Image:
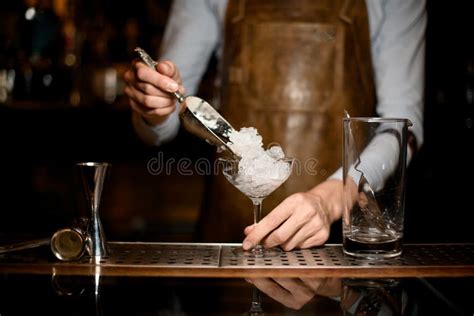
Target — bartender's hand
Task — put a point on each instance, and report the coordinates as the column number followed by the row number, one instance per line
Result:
column 302, row 220
column 297, row 292
column 149, row 90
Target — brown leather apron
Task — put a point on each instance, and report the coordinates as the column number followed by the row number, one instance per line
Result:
column 290, row 69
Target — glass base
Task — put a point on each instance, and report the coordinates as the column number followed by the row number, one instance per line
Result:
column 256, row 252
column 378, row 251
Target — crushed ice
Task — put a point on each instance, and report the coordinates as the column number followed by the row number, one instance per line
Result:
column 260, row 171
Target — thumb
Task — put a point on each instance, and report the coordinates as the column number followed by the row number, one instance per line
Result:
column 166, row 68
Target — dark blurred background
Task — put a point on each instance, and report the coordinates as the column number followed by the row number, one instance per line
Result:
column 61, row 102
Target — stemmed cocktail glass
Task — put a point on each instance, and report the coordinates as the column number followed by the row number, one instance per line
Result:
column 257, row 188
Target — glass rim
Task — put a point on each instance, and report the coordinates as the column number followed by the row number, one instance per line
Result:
column 238, row 159
column 369, row 119
column 92, row 164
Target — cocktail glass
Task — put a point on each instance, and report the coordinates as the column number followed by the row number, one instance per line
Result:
column 257, row 188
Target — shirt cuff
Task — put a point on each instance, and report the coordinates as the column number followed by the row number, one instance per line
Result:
column 337, row 175
column 159, row 134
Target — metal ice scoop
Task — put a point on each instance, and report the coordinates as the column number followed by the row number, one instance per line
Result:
column 198, row 116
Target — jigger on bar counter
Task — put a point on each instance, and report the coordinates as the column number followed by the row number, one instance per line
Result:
column 70, row 244
column 93, row 175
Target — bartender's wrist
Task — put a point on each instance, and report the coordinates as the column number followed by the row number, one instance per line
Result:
column 154, row 120
column 330, row 194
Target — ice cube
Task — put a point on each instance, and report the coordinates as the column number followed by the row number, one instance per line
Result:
column 275, row 152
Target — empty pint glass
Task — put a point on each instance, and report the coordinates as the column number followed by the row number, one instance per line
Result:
column 374, row 168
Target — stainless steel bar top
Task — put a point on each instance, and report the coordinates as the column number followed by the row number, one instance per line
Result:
column 218, row 260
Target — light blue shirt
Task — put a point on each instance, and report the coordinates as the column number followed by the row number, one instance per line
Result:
column 397, row 28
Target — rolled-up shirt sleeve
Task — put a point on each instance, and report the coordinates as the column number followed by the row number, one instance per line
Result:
column 192, row 33
column 398, row 53
column 397, row 31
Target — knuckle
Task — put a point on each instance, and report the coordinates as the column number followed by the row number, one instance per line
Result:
column 147, row 89
column 298, row 307
column 141, row 73
column 292, row 305
column 305, row 298
column 317, row 201
column 159, row 112
column 171, row 67
column 325, row 234
column 273, row 221
column 148, row 101
column 154, row 112
column 299, row 198
column 288, row 247
column 322, row 236
column 278, row 237
column 308, row 213
column 301, row 301
column 126, row 90
column 309, row 244
column 126, row 76
column 162, row 82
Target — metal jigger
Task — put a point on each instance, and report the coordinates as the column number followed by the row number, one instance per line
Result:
column 93, row 175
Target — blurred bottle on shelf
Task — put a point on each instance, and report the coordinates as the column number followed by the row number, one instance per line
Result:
column 41, row 74
column 7, row 80
column 8, row 48
column 469, row 94
column 70, row 52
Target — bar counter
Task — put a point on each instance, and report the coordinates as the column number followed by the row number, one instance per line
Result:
column 208, row 279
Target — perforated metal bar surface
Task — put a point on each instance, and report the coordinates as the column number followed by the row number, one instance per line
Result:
column 219, row 260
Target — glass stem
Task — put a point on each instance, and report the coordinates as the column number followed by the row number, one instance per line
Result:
column 257, row 211
column 256, row 307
